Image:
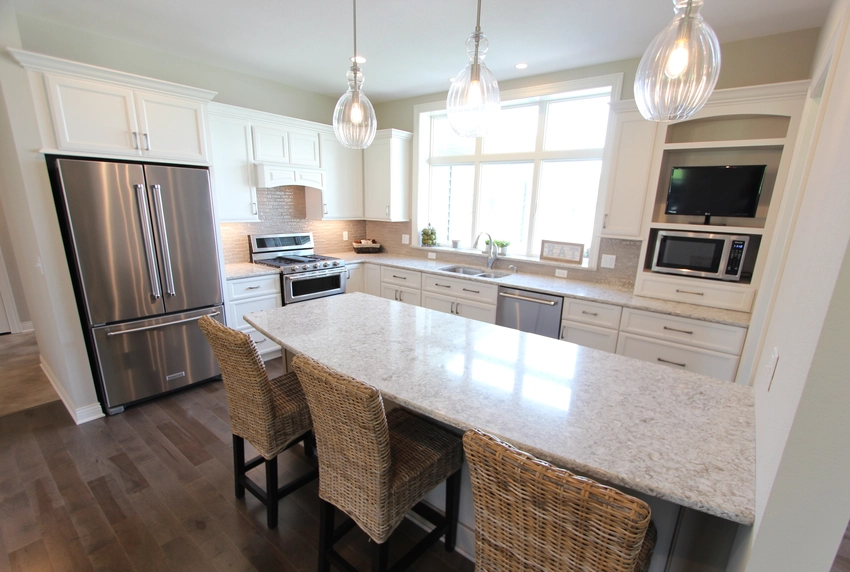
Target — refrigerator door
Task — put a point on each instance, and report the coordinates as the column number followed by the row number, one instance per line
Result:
column 108, row 214
column 181, row 203
column 147, row 357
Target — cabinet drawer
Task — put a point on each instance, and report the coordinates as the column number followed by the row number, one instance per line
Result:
column 253, row 287
column 594, row 313
column 717, row 337
column 694, row 291
column 721, row 366
column 264, row 344
column 408, row 278
column 469, row 289
column 589, row 336
column 249, row 305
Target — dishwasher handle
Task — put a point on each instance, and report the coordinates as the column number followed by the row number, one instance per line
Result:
column 527, row 298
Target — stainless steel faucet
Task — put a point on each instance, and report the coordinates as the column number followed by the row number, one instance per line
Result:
column 491, row 257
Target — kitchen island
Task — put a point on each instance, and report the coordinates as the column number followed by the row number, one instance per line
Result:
column 673, row 435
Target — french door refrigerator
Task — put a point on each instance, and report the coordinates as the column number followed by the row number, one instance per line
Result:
column 141, row 243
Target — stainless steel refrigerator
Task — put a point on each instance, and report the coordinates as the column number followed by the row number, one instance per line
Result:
column 141, row 243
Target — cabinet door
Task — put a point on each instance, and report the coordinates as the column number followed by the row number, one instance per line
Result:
column 354, row 281
column 92, row 116
column 304, row 148
column 271, row 143
column 401, row 294
column 343, row 191
column 376, row 172
column 476, row 311
column 171, row 127
column 589, row 336
column 236, row 197
column 372, row 280
column 632, row 158
column 445, row 304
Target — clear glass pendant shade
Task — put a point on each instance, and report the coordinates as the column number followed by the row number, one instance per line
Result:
column 680, row 67
column 473, row 100
column 354, row 117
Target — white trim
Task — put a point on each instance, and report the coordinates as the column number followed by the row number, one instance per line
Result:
column 8, row 299
column 27, row 327
column 266, row 117
column 41, row 63
column 79, row 414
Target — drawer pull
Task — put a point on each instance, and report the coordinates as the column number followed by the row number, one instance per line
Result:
column 680, row 331
column 441, row 285
column 689, row 292
column 473, row 291
column 563, row 329
column 402, row 277
column 261, row 340
column 670, row 362
column 252, row 287
column 589, row 313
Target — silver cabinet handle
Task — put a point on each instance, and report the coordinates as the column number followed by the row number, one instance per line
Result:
column 150, row 253
column 527, row 299
column 395, row 295
column 147, row 142
column 563, row 329
column 400, row 296
column 680, row 331
column 441, row 285
column 348, row 274
column 473, row 291
column 254, row 207
column 163, row 238
column 452, row 310
column 589, row 313
column 670, row 362
column 689, row 292
column 261, row 340
column 157, row 326
column 605, row 221
column 401, row 277
column 252, row 287
column 388, row 210
column 135, row 139
column 457, row 308
column 325, row 205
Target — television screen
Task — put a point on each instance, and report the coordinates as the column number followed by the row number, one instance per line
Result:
column 725, row 190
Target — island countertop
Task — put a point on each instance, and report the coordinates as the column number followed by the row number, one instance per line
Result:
column 678, row 436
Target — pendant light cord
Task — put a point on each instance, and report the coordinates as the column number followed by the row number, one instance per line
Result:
column 355, row 31
column 475, row 71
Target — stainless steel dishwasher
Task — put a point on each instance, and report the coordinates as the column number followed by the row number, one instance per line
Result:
column 529, row 311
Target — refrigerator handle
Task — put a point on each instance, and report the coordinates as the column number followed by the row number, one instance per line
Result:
column 144, row 215
column 158, row 326
column 163, row 237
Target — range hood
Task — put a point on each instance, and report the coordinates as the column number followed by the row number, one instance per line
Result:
column 313, row 181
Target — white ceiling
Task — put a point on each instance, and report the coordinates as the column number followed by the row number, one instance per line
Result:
column 412, row 48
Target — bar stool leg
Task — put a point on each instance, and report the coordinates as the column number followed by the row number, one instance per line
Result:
column 239, row 464
column 380, row 556
column 326, row 533
column 452, row 509
column 271, row 492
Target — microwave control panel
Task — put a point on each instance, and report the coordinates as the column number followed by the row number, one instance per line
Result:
column 736, row 257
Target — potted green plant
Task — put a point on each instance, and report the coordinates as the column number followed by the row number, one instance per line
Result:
column 503, row 246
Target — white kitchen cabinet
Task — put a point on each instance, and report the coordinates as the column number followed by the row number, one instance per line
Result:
column 401, row 285
column 595, row 337
column 593, row 313
column 695, row 291
column 106, row 118
column 372, row 279
column 467, row 298
column 696, row 360
column 386, row 173
column 230, row 148
column 246, row 295
column 273, row 175
column 354, row 281
column 459, row 307
column 342, row 194
column 404, row 294
column 631, row 161
column 280, row 143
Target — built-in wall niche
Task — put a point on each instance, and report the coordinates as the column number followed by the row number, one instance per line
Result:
column 729, row 128
column 751, row 155
column 750, row 257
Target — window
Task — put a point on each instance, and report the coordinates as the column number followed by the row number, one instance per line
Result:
column 536, row 177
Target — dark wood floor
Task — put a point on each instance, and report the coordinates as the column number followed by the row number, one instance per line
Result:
column 151, row 489
column 842, row 558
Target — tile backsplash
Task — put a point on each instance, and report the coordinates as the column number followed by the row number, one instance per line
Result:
column 282, row 209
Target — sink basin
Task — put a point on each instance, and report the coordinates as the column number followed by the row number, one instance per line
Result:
column 462, row 270
column 493, row 274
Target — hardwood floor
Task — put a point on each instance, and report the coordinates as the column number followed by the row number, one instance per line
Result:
column 151, row 489
column 842, row 558
column 23, row 383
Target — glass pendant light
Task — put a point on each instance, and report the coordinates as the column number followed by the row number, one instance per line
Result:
column 354, row 117
column 473, row 100
column 680, row 67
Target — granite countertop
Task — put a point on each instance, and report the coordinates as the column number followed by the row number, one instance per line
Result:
column 679, row 436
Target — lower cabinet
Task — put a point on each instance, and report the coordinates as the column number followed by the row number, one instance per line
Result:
column 401, row 294
column 467, row 298
column 460, row 307
column 372, row 279
column 590, row 324
column 589, row 336
column 246, row 295
column 354, row 280
column 401, row 285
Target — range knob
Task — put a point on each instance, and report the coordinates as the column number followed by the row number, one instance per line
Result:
column 325, row 265
column 335, row 263
column 315, row 266
column 296, row 268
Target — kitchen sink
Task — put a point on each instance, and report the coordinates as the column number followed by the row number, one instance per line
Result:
column 475, row 272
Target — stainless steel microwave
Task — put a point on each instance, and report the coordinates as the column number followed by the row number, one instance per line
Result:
column 700, row 254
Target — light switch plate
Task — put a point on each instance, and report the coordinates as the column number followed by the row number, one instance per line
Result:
column 432, row 255
column 561, row 273
column 345, row 235
column 405, row 239
column 608, row 261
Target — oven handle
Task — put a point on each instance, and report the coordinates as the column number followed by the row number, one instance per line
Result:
column 316, row 274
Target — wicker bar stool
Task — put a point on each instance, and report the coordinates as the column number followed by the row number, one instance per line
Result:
column 376, row 466
column 272, row 415
column 530, row 515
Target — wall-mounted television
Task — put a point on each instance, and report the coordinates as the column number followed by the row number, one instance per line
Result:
column 717, row 190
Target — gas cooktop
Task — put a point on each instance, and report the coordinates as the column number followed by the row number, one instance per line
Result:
column 290, row 252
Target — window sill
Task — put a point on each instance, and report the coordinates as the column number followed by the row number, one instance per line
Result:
column 510, row 256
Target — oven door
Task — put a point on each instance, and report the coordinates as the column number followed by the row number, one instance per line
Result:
column 691, row 254
column 316, row 284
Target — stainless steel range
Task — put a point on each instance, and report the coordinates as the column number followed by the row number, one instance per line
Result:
column 304, row 275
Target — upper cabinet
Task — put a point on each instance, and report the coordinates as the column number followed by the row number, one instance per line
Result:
column 277, row 143
column 94, row 111
column 231, row 173
column 387, row 176
column 342, row 197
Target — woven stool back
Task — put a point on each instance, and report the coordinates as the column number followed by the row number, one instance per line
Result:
column 246, row 384
column 530, row 515
column 353, row 443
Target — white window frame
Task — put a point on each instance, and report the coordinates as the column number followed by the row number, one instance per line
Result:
column 421, row 172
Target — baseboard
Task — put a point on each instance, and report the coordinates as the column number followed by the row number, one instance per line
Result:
column 26, row 327
column 465, row 543
column 79, row 414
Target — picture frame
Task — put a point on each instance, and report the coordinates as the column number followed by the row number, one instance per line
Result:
column 571, row 252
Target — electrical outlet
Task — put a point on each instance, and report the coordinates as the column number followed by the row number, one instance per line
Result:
column 770, row 368
column 608, row 261
column 561, row 273
column 345, row 235
column 405, row 239
column 432, row 255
